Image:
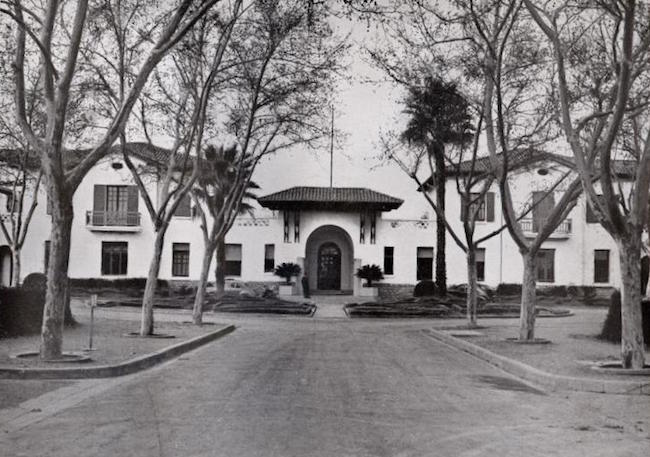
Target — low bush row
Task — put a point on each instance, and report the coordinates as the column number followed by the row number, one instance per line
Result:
column 21, row 311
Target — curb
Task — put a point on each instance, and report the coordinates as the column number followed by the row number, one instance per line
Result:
column 120, row 369
column 549, row 381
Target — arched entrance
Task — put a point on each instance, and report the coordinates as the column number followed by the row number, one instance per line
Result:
column 329, row 267
column 329, row 260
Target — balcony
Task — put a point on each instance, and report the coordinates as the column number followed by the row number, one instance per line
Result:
column 113, row 221
column 563, row 231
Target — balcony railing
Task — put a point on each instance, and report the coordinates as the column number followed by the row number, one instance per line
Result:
column 561, row 231
column 113, row 220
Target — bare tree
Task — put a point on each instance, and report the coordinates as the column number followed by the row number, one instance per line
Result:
column 598, row 52
column 48, row 38
column 276, row 98
column 492, row 47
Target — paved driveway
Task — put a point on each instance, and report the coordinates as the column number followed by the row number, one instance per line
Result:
column 301, row 387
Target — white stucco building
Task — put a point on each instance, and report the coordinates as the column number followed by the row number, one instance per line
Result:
column 330, row 232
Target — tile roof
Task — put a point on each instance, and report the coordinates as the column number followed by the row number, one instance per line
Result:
column 329, row 197
column 151, row 154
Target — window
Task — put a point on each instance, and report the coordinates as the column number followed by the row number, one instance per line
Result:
column 601, row 265
column 389, row 252
column 269, row 258
column 233, row 260
column 545, row 265
column 591, row 216
column 543, row 204
column 46, row 256
column 424, row 263
column 485, row 211
column 114, row 257
column 184, row 208
column 115, row 205
column 180, row 259
column 480, row 264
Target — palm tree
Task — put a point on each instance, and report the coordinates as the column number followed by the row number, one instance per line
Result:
column 223, row 188
column 438, row 116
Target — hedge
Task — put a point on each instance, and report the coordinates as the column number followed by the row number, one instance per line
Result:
column 21, row 311
column 121, row 283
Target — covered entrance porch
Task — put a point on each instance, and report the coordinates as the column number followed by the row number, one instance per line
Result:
column 329, row 261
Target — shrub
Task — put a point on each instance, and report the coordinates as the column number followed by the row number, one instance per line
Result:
column 21, row 311
column 287, row 270
column 612, row 326
column 505, row 289
column 370, row 273
column 425, row 288
column 35, row 282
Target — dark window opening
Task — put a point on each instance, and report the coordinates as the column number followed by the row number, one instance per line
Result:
column 389, row 252
column 269, row 258
column 114, row 257
column 424, row 263
column 601, row 265
column 480, row 264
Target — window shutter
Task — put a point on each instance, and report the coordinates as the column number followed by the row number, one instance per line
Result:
column 99, row 198
column 184, row 208
column 132, row 199
column 489, row 200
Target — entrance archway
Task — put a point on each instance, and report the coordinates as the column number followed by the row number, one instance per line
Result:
column 329, row 260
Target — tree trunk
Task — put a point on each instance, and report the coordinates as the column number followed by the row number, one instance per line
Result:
column 632, row 347
column 472, row 286
column 56, row 296
column 220, row 269
column 528, row 298
column 197, row 312
column 441, row 234
column 146, row 323
column 15, row 282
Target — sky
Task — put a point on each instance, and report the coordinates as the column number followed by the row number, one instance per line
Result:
column 365, row 109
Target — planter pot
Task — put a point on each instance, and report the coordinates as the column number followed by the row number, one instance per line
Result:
column 366, row 291
column 286, row 290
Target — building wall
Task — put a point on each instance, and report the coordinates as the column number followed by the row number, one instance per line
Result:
column 574, row 253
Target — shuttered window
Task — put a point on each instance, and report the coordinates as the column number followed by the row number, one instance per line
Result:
column 591, row 216
column 485, row 211
column 184, row 208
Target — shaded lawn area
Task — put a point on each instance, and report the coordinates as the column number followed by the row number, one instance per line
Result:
column 109, row 339
column 447, row 307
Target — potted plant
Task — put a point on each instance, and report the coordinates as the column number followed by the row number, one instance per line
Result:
column 287, row 270
column 370, row 273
